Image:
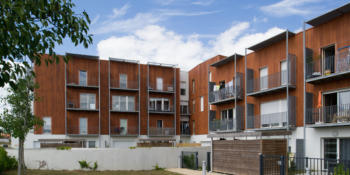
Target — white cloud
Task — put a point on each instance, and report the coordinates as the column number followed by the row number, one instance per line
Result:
column 167, row 12
column 157, row 44
column 119, row 12
column 164, row 2
column 203, row 2
column 257, row 19
column 289, row 7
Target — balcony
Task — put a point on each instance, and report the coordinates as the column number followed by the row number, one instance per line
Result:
column 161, row 111
column 272, row 83
column 328, row 116
column 166, row 88
column 161, row 131
column 328, row 68
column 185, row 128
column 129, row 86
column 232, row 124
column 134, row 109
column 72, row 106
column 227, row 93
column 92, row 83
column 77, row 131
column 270, row 121
column 184, row 110
column 122, row 131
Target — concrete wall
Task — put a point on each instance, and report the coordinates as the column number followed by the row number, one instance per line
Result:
column 108, row 159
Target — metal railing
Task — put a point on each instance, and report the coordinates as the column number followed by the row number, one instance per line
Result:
column 128, row 85
column 185, row 131
column 161, row 131
column 222, row 125
column 74, row 105
column 122, row 131
column 164, row 88
column 132, row 108
column 184, row 110
column 274, row 80
column 161, row 110
column 76, row 130
column 328, row 65
column 273, row 120
column 225, row 93
column 74, row 81
column 328, row 114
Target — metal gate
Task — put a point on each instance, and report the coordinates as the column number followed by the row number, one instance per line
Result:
column 272, row 165
column 189, row 160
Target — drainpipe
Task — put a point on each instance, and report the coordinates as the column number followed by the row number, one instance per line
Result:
column 235, row 120
column 304, row 101
column 287, row 92
column 147, row 102
column 208, row 100
column 245, row 89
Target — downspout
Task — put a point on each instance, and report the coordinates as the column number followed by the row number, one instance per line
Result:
column 65, row 97
column 147, row 102
column 109, row 101
column 174, row 101
column 245, row 90
column 287, row 91
column 208, row 99
column 139, row 80
column 234, row 121
column 99, row 102
column 304, row 101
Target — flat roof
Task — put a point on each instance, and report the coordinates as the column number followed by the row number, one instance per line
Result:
column 279, row 37
column 249, row 134
column 226, row 60
column 83, row 56
column 124, row 60
column 329, row 15
column 161, row 64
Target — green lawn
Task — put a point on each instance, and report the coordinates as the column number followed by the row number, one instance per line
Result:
column 44, row 172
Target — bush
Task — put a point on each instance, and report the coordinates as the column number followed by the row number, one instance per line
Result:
column 6, row 162
column 158, row 168
column 86, row 165
column 189, row 161
column 64, row 148
column 340, row 170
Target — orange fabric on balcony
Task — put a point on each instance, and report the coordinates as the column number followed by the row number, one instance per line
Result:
column 319, row 101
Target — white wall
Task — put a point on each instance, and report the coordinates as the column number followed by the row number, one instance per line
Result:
column 108, row 159
column 184, row 78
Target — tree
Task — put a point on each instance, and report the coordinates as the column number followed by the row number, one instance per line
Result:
column 30, row 28
column 18, row 118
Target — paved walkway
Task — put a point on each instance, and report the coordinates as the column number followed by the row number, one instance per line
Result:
column 189, row 172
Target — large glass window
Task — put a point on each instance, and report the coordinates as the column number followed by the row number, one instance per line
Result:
column 330, row 152
column 273, row 113
column 83, row 126
column 82, row 77
column 159, row 104
column 202, row 103
column 263, row 78
column 47, row 125
column 123, row 80
column 160, row 84
column 123, row 126
column 123, row 103
column 159, row 123
column 88, row 101
column 283, row 72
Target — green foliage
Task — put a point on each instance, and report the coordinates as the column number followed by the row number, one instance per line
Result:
column 158, row 168
column 86, row 165
column 31, row 28
column 189, row 161
column 340, row 170
column 64, row 148
column 18, row 119
column 6, row 162
column 132, row 147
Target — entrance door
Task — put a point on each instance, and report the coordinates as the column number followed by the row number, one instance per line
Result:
column 83, row 126
column 123, row 126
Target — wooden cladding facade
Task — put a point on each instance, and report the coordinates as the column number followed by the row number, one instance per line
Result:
column 59, row 94
column 242, row 156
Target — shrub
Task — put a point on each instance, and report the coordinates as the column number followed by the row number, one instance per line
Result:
column 157, row 168
column 340, row 170
column 189, row 161
column 132, row 147
column 6, row 162
column 86, row 165
column 63, row 148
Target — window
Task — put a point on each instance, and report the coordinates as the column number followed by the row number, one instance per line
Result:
column 83, row 126
column 183, row 91
column 82, row 78
column 273, row 109
column 123, row 103
column 228, row 115
column 159, row 123
column 202, row 103
column 88, row 101
column 123, row 126
column 47, row 125
column 263, row 78
column 123, row 81
column 284, row 72
column 193, row 106
column 336, row 107
column 333, row 149
column 209, row 76
column 193, row 86
column 183, row 109
column 160, row 84
column 92, row 144
column 194, row 127
column 159, row 104
column 328, row 59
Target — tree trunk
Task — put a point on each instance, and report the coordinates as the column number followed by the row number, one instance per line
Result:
column 21, row 165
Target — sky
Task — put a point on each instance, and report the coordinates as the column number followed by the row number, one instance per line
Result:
column 187, row 32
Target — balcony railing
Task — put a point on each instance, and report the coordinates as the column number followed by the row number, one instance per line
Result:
column 329, row 115
column 76, row 130
column 185, row 131
column 122, row 131
column 165, row 88
column 155, row 110
column 184, row 111
column 74, row 82
column 161, row 131
column 270, row 121
column 129, row 85
column 71, row 105
column 222, row 125
column 135, row 108
column 328, row 66
column 225, row 93
column 274, row 81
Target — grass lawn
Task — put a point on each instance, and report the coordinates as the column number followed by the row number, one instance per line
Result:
column 44, row 172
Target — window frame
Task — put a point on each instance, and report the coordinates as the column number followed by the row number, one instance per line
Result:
column 86, row 78
column 47, row 130
column 120, row 81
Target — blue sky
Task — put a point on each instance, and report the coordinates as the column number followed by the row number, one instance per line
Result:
column 186, row 32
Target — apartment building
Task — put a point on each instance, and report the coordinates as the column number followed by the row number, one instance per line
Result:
column 109, row 103
column 292, row 85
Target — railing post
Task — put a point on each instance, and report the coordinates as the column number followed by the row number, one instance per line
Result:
column 282, row 166
column 261, row 164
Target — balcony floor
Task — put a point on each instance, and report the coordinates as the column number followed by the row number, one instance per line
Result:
column 270, row 129
column 227, row 100
column 80, row 109
column 161, row 92
column 270, row 90
column 83, row 135
column 82, row 86
column 124, row 89
column 124, row 111
column 126, row 135
column 325, row 78
column 161, row 112
column 325, row 125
